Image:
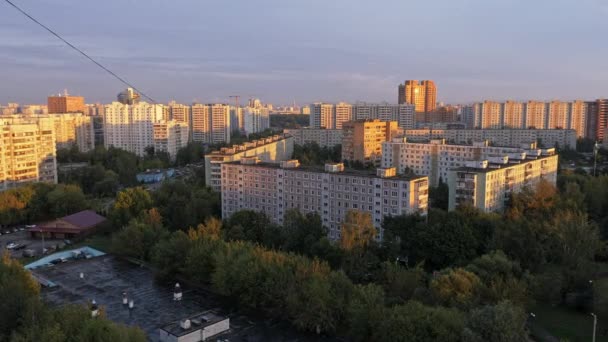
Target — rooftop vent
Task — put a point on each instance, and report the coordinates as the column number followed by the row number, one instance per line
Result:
column 290, row 164
column 334, row 167
column 185, row 324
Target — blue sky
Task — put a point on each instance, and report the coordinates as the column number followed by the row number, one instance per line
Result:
column 314, row 50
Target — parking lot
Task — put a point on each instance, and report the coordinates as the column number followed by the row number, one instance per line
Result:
column 24, row 242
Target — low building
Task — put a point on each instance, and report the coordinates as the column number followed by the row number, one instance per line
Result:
column 331, row 192
column 487, row 184
column 320, row 136
column 271, row 149
column 154, row 176
column 199, row 327
column 73, row 226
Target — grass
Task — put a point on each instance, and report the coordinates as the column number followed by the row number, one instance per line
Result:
column 566, row 324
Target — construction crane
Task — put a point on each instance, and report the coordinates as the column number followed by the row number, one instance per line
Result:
column 236, row 99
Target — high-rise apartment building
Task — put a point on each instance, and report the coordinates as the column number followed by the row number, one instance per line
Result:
column 558, row 113
column 487, row 184
column 255, row 119
column 362, row 140
column 179, row 112
column 331, row 192
column 131, row 127
column 578, row 118
column 491, row 115
column 27, row 152
column 513, row 114
column 402, row 113
column 211, row 123
column 322, row 115
column 66, row 104
column 72, row 129
column 597, row 119
column 128, row 96
column 343, row 112
column 423, row 95
column 271, row 149
column 536, row 114
column 170, row 136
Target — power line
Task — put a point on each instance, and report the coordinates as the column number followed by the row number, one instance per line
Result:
column 80, row 51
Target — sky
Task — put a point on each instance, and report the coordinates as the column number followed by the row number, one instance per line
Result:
column 306, row 50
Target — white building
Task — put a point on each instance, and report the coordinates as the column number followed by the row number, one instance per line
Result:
column 131, row 127
column 255, row 119
column 211, row 123
column 73, row 129
column 435, row 158
column 487, row 184
column 331, row 192
column 271, row 149
column 320, row 136
column 563, row 138
column 170, row 136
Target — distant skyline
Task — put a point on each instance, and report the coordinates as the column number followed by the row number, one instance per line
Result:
column 315, row 50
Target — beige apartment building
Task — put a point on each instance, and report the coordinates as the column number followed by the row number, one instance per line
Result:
column 27, row 152
column 487, row 184
column 536, row 114
column 170, row 136
column 435, row 158
column 210, row 123
column 423, row 95
column 362, row 140
column 322, row 137
column 73, row 129
column 331, row 192
column 563, row 138
column 404, row 114
column 179, row 112
column 322, row 115
column 271, row 149
column 513, row 112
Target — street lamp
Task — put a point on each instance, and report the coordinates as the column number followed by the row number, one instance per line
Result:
column 594, row 326
column 596, row 149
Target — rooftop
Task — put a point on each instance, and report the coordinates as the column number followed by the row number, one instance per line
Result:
column 80, row 220
column 494, row 166
column 249, row 145
column 321, row 169
column 107, row 277
column 198, row 321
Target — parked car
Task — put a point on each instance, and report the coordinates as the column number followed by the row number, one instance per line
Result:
column 20, row 246
column 15, row 230
column 28, row 253
column 11, row 245
column 7, row 232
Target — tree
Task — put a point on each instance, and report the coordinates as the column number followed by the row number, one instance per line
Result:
column 65, row 200
column 417, row 322
column 137, row 239
column 439, row 196
column 366, row 311
column 456, row 287
column 357, row 230
column 503, row 322
column 399, row 283
column 302, row 232
column 129, row 204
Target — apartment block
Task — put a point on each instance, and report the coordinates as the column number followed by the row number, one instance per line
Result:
column 27, row 152
column 331, row 192
column 362, row 140
column 423, row 95
column 256, row 119
column 597, row 119
column 322, row 115
column 404, row 114
column 322, row 137
column 435, row 158
column 487, row 184
column 170, row 136
column 530, row 115
column 131, row 127
column 179, row 112
column 562, row 138
column 73, row 129
column 66, row 104
column 271, row 149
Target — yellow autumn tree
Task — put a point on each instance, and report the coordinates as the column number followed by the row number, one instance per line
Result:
column 357, row 230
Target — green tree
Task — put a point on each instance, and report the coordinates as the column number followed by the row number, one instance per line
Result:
column 456, row 287
column 502, row 322
column 366, row 311
column 129, row 204
column 302, row 232
column 399, row 283
column 65, row 200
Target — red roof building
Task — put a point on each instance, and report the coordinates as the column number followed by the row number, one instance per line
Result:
column 70, row 227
